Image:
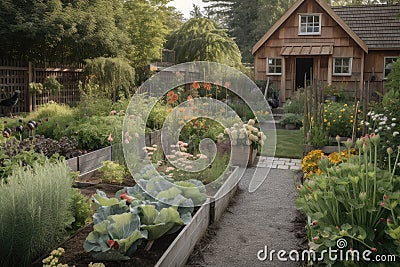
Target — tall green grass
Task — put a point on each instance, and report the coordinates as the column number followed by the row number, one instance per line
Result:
column 33, row 212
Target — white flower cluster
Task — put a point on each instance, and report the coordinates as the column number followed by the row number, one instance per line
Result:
column 246, row 134
column 380, row 123
column 181, row 159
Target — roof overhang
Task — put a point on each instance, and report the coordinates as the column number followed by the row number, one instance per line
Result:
column 307, row 49
column 327, row 9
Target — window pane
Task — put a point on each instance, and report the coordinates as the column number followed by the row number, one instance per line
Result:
column 278, row 70
column 303, row 19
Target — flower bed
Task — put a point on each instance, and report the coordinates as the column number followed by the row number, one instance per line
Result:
column 351, row 200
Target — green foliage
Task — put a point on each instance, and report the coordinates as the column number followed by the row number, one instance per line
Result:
column 158, row 223
column 116, row 238
column 393, row 79
column 122, row 222
column 201, row 39
column 384, row 120
column 112, row 171
column 339, row 118
column 349, row 201
column 70, row 31
column 15, row 154
column 34, row 211
column 35, row 88
column 291, row 118
column 247, row 21
column 295, row 104
column 113, row 75
column 51, row 85
column 81, row 209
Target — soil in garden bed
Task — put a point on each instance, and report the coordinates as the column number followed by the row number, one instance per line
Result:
column 89, row 183
column 76, row 255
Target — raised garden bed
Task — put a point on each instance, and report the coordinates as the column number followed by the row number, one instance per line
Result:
column 171, row 250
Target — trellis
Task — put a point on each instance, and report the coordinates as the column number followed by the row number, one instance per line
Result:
column 17, row 74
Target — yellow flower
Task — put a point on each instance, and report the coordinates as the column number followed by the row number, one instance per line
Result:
column 329, row 123
column 325, row 120
column 345, row 105
column 351, row 121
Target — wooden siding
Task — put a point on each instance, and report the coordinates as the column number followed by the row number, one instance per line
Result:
column 344, row 45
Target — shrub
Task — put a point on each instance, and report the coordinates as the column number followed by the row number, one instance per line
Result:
column 295, row 104
column 384, row 120
column 112, row 171
column 81, row 209
column 393, row 79
column 291, row 118
column 33, row 212
column 339, row 119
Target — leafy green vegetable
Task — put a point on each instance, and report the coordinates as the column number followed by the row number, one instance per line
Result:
column 159, row 223
column 116, row 238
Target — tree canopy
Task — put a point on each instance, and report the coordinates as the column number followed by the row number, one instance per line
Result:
column 72, row 31
column 202, row 39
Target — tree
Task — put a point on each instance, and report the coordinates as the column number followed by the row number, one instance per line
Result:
column 112, row 75
column 147, row 24
column 61, row 30
column 247, row 20
column 202, row 39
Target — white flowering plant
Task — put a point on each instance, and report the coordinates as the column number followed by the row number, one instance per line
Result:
column 244, row 135
column 385, row 121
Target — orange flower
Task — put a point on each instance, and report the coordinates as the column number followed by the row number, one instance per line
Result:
column 169, row 110
column 172, row 97
column 190, row 98
column 207, row 86
column 196, row 85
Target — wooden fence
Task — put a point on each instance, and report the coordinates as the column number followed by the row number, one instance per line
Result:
column 17, row 74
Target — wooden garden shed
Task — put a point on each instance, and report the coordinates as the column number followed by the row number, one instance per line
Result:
column 349, row 47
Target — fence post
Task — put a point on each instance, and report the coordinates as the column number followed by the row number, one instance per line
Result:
column 28, row 95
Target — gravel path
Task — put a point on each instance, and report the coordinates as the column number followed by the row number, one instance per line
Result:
column 253, row 221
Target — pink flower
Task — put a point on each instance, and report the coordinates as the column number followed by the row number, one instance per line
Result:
column 110, row 139
column 113, row 112
column 315, row 222
column 126, row 141
column 382, row 204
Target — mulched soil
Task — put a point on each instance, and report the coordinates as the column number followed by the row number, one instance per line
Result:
column 76, row 255
column 89, row 183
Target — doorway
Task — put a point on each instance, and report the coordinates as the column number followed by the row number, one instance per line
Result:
column 303, row 67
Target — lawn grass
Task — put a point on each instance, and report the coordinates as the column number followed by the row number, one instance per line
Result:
column 289, row 144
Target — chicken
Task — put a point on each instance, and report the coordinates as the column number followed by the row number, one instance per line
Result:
column 273, row 102
column 11, row 101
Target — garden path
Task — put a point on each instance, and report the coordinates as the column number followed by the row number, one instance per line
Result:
column 253, row 221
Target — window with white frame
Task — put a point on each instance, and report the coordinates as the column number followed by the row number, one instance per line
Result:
column 274, row 66
column 388, row 65
column 342, row 66
column 309, row 24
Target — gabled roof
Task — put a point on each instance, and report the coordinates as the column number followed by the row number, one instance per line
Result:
column 326, row 8
column 378, row 26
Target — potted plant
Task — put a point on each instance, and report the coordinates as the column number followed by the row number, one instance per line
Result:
column 331, row 93
column 291, row 121
column 246, row 140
